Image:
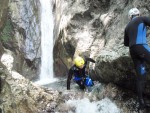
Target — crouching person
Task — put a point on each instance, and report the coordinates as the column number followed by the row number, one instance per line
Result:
column 78, row 72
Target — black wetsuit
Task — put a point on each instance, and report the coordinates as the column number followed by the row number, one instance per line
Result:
column 135, row 39
column 79, row 74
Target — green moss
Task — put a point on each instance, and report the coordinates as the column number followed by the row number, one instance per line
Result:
column 7, row 32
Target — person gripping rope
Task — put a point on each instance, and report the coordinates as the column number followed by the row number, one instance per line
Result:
column 78, row 71
column 135, row 39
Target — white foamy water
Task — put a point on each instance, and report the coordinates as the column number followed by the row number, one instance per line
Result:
column 47, row 25
column 85, row 106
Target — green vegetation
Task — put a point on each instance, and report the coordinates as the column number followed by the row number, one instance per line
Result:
column 7, row 32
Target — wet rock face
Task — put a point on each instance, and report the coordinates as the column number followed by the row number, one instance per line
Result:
column 21, row 35
column 3, row 16
column 89, row 28
column 3, row 12
column 25, row 15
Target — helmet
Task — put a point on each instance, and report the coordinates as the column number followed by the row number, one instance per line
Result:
column 79, row 61
column 133, row 11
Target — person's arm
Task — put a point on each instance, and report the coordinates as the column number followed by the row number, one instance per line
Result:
column 89, row 59
column 146, row 20
column 87, row 68
column 70, row 73
column 126, row 39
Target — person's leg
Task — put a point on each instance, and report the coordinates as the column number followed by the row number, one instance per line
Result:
column 139, row 66
column 81, row 84
column 141, row 79
column 143, row 52
column 139, row 55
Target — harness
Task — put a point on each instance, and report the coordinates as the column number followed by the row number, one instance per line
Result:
column 77, row 78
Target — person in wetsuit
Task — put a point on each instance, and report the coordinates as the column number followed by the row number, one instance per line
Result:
column 78, row 70
column 135, row 39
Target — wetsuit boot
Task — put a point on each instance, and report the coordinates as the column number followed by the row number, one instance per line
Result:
column 143, row 105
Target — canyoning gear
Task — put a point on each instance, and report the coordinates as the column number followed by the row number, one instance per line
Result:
column 79, row 62
column 135, row 31
column 132, row 12
column 81, row 84
column 140, row 54
column 135, row 38
column 77, row 78
column 88, row 81
column 79, row 81
column 143, row 105
column 79, row 74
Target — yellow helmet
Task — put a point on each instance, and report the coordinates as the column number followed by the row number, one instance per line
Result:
column 79, row 61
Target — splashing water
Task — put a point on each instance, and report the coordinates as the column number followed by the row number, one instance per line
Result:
column 85, row 106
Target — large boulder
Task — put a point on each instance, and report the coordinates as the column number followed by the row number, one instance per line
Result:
column 18, row 94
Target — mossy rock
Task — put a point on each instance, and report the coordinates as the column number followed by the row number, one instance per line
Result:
column 7, row 31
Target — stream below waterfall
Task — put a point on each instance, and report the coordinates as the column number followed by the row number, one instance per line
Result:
column 94, row 100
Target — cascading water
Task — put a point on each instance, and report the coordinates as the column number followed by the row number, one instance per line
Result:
column 85, row 106
column 47, row 25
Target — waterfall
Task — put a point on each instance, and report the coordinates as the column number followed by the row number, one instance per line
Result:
column 47, row 25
